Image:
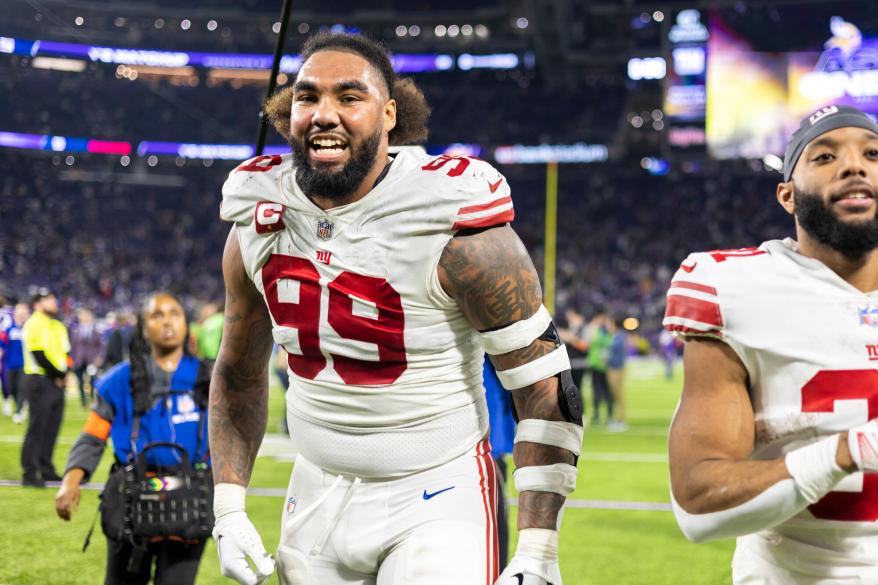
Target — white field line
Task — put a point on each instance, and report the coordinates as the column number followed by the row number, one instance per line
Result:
column 656, row 412
column 632, row 432
column 281, row 449
column 512, row 502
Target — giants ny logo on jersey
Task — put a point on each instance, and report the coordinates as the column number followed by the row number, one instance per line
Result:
column 269, row 217
column 324, row 256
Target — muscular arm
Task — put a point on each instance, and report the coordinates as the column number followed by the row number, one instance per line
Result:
column 239, row 385
column 712, row 435
column 493, row 280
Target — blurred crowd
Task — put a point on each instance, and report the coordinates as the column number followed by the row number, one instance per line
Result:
column 101, row 243
column 102, row 231
column 97, row 103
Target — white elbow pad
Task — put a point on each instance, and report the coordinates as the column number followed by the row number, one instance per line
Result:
column 775, row 505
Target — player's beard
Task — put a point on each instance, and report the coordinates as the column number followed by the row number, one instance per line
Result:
column 335, row 185
column 853, row 239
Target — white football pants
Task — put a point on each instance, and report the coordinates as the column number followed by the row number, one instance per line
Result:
column 798, row 555
column 435, row 527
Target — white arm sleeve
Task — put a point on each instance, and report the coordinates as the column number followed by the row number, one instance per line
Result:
column 814, row 473
column 775, row 505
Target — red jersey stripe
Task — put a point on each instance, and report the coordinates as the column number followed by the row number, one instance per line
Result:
column 492, row 491
column 693, row 286
column 483, row 488
column 496, row 219
column 690, row 330
column 694, row 310
column 484, row 206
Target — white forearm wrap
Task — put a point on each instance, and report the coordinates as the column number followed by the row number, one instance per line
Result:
column 539, row 369
column 517, row 335
column 814, row 468
column 548, row 432
column 228, row 498
column 775, row 505
column 558, row 478
column 535, row 561
column 538, row 543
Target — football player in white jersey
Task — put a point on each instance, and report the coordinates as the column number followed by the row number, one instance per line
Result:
column 775, row 440
column 386, row 275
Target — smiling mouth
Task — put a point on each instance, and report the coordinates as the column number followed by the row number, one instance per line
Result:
column 327, row 148
column 854, row 193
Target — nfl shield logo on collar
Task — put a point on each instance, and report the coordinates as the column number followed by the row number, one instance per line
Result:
column 324, row 229
column 869, row 316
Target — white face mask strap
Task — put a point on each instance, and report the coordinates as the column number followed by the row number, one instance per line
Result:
column 558, row 434
column 532, row 372
column 517, row 335
column 558, row 478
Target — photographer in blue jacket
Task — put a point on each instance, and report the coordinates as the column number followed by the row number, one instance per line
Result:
column 170, row 388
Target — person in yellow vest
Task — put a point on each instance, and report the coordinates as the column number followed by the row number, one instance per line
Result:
column 46, row 352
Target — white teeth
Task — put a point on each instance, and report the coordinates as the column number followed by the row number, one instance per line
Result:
column 856, row 196
column 326, row 142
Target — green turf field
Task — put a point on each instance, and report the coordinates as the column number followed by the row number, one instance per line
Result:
column 598, row 546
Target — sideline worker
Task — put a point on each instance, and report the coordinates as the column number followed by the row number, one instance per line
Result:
column 160, row 370
column 46, row 349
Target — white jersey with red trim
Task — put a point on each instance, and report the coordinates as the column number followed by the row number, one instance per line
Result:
column 385, row 370
column 809, row 342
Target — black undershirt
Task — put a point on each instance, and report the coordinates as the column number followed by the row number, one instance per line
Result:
column 384, row 171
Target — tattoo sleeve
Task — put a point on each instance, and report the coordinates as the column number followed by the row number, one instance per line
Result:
column 493, row 280
column 239, row 386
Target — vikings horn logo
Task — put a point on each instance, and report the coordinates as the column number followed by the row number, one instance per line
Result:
column 845, row 36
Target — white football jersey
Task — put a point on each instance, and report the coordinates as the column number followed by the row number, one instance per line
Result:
column 809, row 342
column 385, row 370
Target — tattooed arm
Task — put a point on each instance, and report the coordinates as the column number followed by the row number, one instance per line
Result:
column 493, row 280
column 239, row 386
column 238, row 412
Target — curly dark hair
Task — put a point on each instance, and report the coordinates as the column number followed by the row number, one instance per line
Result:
column 412, row 109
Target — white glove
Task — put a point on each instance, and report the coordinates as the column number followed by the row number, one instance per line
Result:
column 863, row 445
column 535, row 561
column 236, row 538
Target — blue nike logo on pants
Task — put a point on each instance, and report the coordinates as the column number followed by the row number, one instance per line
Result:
column 428, row 496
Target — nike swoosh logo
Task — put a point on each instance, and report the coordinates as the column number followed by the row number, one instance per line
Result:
column 688, row 268
column 495, row 186
column 434, row 494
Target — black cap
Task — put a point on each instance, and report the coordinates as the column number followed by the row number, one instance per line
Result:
column 39, row 294
column 820, row 122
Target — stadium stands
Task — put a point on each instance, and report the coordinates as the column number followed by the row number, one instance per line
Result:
column 101, row 232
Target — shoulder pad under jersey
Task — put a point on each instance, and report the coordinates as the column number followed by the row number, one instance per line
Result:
column 254, row 181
